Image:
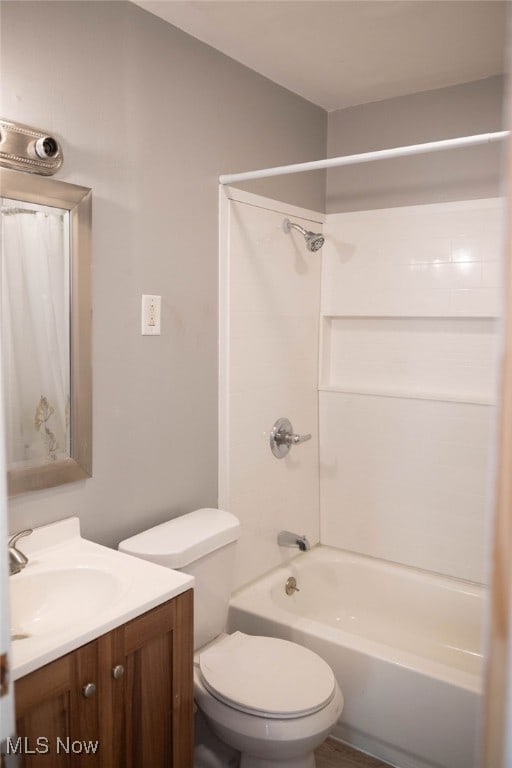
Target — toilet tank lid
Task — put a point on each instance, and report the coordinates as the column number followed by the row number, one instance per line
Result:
column 184, row 539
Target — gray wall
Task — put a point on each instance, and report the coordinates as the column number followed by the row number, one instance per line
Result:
column 461, row 174
column 149, row 117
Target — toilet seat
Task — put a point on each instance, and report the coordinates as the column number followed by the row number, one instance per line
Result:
column 266, row 676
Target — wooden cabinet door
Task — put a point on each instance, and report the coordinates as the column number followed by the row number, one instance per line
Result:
column 57, row 723
column 158, row 650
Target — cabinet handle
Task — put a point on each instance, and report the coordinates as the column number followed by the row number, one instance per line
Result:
column 117, row 671
column 89, row 690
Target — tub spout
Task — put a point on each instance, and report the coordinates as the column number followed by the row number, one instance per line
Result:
column 289, row 539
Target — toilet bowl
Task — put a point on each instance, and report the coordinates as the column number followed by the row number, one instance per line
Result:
column 272, row 700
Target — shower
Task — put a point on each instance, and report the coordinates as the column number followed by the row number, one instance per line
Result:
column 314, row 240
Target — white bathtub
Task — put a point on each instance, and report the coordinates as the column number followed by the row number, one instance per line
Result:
column 405, row 647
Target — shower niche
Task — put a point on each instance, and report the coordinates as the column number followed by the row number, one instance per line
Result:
column 431, row 358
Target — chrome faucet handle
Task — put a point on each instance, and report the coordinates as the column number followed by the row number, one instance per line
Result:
column 17, row 559
column 282, row 437
column 296, row 439
column 20, row 535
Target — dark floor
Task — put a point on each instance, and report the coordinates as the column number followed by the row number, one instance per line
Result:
column 334, row 754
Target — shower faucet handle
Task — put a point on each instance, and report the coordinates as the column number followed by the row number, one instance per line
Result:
column 282, row 437
column 296, row 439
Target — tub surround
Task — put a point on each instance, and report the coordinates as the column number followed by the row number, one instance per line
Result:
column 393, row 636
column 270, row 300
column 81, row 575
column 409, row 318
column 410, row 307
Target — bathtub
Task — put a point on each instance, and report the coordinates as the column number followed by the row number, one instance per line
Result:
column 405, row 646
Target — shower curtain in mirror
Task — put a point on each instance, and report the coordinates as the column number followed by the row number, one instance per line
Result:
column 35, row 331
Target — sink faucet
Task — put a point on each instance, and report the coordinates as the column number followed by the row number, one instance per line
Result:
column 289, row 539
column 17, row 560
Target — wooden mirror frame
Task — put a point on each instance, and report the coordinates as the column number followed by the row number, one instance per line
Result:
column 29, row 188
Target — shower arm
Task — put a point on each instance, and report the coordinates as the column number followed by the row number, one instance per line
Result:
column 292, row 225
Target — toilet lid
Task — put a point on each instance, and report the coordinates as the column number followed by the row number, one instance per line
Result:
column 266, row 676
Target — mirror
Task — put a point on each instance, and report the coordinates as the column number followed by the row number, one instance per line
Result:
column 45, row 233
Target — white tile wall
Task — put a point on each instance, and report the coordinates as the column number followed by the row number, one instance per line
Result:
column 430, row 260
column 409, row 301
column 274, row 302
column 405, row 480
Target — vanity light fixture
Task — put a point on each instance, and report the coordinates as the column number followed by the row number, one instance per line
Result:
column 23, row 148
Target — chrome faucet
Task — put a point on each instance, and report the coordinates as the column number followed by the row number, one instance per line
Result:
column 17, row 560
column 282, row 437
column 289, row 539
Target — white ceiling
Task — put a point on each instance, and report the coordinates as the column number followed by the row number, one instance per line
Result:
column 337, row 53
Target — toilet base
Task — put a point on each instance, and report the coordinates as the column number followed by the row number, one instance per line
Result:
column 306, row 761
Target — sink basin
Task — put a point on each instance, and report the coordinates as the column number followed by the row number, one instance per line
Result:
column 73, row 590
column 50, row 601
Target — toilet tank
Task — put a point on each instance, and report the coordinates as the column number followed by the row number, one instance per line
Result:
column 202, row 544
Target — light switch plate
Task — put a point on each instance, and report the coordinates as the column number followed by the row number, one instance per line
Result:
column 150, row 315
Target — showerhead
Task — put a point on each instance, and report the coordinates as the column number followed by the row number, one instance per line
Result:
column 314, row 240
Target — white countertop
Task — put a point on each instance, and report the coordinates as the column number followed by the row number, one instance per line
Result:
column 57, row 553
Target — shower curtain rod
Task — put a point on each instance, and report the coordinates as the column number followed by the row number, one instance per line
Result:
column 366, row 157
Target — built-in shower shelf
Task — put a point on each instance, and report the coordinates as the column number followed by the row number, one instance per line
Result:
column 426, row 358
column 445, row 397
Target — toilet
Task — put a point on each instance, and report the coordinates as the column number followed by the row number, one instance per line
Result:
column 272, row 700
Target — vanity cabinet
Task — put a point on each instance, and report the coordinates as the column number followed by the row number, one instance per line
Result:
column 140, row 710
